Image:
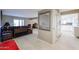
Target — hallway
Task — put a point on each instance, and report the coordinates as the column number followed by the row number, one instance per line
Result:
column 67, row 40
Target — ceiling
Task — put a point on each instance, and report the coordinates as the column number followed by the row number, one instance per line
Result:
column 63, row 10
column 27, row 13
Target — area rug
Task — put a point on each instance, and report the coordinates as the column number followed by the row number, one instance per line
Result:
column 8, row 45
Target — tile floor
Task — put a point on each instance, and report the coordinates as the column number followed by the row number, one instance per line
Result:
column 67, row 41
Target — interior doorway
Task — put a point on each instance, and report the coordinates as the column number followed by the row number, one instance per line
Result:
column 68, row 22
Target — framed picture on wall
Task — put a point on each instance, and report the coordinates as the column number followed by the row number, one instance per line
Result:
column 44, row 20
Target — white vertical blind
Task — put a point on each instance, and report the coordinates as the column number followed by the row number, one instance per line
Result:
column 18, row 22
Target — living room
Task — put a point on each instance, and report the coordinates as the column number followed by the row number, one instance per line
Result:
column 15, row 23
column 31, row 29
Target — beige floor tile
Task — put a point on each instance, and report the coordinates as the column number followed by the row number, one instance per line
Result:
column 67, row 41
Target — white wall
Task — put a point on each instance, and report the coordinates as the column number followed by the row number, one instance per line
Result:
column 54, row 33
column 11, row 18
column 45, row 35
column 26, row 22
column 78, row 20
column 7, row 19
column 55, row 25
column 33, row 21
column 72, row 18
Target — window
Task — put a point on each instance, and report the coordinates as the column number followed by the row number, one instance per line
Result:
column 21, row 22
column 18, row 22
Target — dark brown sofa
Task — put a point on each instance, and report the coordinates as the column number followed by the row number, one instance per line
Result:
column 21, row 30
column 15, row 31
